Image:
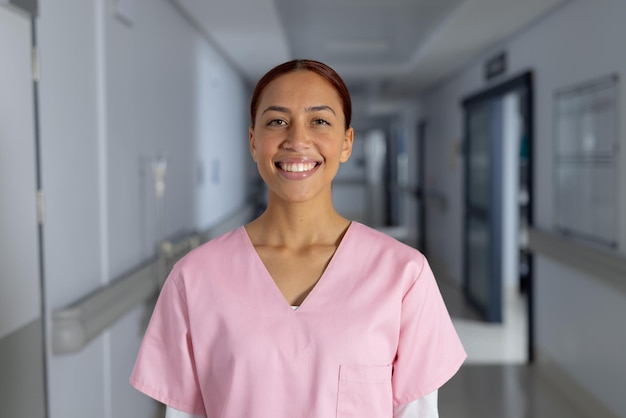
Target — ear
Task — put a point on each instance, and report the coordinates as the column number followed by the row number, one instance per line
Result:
column 252, row 146
column 346, row 150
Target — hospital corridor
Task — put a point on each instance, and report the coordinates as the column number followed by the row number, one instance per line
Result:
column 488, row 134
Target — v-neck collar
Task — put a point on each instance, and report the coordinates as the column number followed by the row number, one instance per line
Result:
column 325, row 290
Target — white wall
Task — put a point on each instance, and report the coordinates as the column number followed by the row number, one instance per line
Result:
column 579, row 318
column 113, row 96
column 444, row 170
column 22, row 391
column 20, row 298
column 223, row 132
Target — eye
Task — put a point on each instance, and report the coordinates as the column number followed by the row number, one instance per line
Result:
column 276, row 122
column 320, row 121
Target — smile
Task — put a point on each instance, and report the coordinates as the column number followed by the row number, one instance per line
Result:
column 297, row 167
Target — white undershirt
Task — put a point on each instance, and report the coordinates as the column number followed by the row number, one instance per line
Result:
column 425, row 407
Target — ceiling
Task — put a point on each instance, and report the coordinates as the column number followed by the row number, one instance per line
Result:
column 386, row 50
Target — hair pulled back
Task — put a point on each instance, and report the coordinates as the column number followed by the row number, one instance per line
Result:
column 316, row 67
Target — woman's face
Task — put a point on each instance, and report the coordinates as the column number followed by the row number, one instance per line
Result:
column 299, row 136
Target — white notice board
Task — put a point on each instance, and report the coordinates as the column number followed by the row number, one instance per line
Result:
column 586, row 175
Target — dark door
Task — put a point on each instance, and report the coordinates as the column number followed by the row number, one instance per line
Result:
column 483, row 208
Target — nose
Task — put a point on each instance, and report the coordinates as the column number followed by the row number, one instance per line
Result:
column 297, row 137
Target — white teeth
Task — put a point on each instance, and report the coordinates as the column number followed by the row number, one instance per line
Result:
column 297, row 167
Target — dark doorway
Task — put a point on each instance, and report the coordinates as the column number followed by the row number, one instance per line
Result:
column 498, row 129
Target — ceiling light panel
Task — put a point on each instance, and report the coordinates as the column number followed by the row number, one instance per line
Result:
column 360, row 32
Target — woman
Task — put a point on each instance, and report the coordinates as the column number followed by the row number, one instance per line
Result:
column 301, row 313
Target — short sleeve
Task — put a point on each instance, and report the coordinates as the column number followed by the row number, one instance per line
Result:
column 429, row 350
column 165, row 368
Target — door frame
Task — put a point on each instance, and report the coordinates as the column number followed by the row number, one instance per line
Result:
column 524, row 80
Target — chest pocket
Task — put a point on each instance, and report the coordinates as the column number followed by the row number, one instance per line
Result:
column 364, row 392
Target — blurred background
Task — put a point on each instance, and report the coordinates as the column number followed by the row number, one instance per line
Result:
column 489, row 135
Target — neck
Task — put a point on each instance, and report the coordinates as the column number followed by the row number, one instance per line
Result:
column 298, row 224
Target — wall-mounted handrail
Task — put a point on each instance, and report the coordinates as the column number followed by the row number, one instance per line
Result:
column 595, row 261
column 73, row 326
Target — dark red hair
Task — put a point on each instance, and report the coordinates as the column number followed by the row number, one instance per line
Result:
column 316, row 67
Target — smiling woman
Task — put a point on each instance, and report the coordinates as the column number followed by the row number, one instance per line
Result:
column 298, row 135
column 275, row 318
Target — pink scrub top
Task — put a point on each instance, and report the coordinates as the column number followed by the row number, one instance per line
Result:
column 224, row 342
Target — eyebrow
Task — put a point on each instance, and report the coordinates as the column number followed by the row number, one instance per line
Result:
column 308, row 109
column 318, row 108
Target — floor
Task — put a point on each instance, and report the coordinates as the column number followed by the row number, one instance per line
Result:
column 486, row 343
column 495, row 381
column 502, row 391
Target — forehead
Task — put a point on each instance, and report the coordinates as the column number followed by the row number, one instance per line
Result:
column 300, row 86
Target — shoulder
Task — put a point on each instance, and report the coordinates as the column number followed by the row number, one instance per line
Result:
column 379, row 252
column 217, row 246
column 373, row 240
column 211, row 254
